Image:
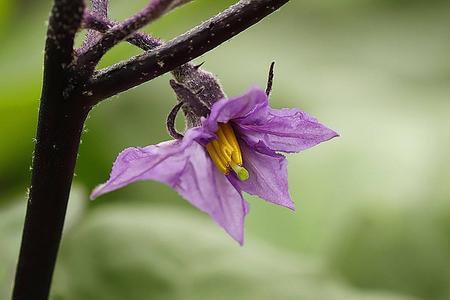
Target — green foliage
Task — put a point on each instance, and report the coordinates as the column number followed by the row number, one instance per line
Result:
column 412, row 246
column 11, row 221
column 170, row 254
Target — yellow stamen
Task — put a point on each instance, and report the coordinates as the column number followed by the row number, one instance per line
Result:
column 226, row 153
column 220, row 164
column 229, row 134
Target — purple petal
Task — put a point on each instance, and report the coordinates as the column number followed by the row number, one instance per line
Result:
column 245, row 107
column 210, row 191
column 186, row 167
column 268, row 175
column 286, row 130
column 150, row 163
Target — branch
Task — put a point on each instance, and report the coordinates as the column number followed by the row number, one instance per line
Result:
column 99, row 8
column 190, row 75
column 139, row 39
column 121, row 31
column 207, row 36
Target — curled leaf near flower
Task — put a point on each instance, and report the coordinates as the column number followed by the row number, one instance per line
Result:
column 234, row 149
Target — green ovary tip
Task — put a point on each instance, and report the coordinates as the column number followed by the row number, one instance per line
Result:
column 241, row 172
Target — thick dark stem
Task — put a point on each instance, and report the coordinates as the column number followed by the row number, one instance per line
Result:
column 58, row 138
column 61, row 119
column 180, row 50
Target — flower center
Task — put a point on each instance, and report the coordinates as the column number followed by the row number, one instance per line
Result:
column 226, row 153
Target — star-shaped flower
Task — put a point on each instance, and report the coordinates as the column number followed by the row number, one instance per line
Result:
column 235, row 149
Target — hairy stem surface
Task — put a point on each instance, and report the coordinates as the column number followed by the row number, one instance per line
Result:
column 59, row 129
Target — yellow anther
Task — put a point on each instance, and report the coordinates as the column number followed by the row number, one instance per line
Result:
column 226, row 153
column 220, row 164
column 229, row 134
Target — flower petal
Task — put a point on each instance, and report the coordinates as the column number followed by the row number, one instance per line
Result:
column 210, row 191
column 186, row 167
column 160, row 162
column 268, row 175
column 242, row 107
column 286, row 130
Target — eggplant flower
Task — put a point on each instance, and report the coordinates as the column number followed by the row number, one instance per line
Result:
column 234, row 149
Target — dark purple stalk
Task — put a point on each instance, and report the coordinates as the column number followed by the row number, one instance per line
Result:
column 58, row 135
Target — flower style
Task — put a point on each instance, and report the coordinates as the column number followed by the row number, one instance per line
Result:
column 234, row 149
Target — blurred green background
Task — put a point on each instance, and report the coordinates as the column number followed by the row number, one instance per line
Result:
column 373, row 207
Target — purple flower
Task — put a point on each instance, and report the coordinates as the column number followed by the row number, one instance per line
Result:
column 235, row 149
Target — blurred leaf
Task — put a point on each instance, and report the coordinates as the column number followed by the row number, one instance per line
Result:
column 144, row 251
column 11, row 223
column 395, row 248
column 6, row 7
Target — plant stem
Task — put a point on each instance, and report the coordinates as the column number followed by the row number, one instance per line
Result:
column 60, row 124
column 58, row 137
